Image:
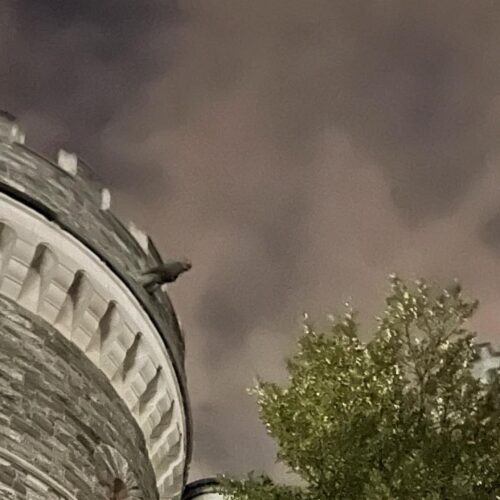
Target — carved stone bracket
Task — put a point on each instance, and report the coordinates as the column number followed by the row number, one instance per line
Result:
column 54, row 276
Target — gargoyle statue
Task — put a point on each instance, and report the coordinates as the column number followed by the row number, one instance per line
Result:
column 167, row 272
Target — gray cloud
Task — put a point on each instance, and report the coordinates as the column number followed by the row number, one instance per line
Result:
column 69, row 67
column 297, row 151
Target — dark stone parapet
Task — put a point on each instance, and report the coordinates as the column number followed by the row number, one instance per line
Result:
column 75, row 203
column 64, row 191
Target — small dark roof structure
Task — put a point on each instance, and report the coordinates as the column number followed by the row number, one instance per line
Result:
column 201, row 487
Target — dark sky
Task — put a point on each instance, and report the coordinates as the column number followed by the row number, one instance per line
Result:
column 297, row 151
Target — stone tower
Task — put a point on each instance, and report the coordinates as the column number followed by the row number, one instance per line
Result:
column 204, row 489
column 92, row 384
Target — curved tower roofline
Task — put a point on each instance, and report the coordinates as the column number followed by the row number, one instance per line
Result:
column 65, row 258
column 201, row 489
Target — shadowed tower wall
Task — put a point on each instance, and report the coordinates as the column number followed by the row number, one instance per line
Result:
column 92, row 384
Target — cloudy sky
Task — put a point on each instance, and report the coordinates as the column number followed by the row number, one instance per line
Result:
column 298, row 151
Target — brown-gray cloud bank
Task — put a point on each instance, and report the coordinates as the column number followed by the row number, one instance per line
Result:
column 297, row 151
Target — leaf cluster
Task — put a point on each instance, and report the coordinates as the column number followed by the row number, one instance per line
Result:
column 398, row 417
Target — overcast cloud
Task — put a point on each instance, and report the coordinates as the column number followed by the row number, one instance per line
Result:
column 297, row 151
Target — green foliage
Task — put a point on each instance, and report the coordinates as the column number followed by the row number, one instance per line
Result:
column 397, row 417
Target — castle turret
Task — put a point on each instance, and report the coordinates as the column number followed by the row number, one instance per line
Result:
column 92, row 383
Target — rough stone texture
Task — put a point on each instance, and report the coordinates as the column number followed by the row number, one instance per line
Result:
column 56, row 410
column 74, row 202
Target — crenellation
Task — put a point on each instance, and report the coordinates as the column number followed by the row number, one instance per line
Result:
column 82, row 208
column 9, row 129
column 105, row 199
column 69, row 286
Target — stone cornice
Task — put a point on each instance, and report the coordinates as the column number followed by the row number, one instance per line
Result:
column 78, row 204
column 52, row 274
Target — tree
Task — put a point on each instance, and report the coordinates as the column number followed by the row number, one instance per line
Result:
column 398, row 417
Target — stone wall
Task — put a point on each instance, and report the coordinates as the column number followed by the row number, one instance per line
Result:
column 84, row 255
column 74, row 202
column 64, row 431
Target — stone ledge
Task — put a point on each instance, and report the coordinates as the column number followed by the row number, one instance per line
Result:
column 82, row 207
column 56, row 277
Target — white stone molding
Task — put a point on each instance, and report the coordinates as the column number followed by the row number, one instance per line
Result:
column 140, row 236
column 38, row 478
column 105, row 199
column 67, row 162
column 488, row 360
column 55, row 276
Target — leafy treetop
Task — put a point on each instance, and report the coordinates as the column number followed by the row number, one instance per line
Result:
column 398, row 417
